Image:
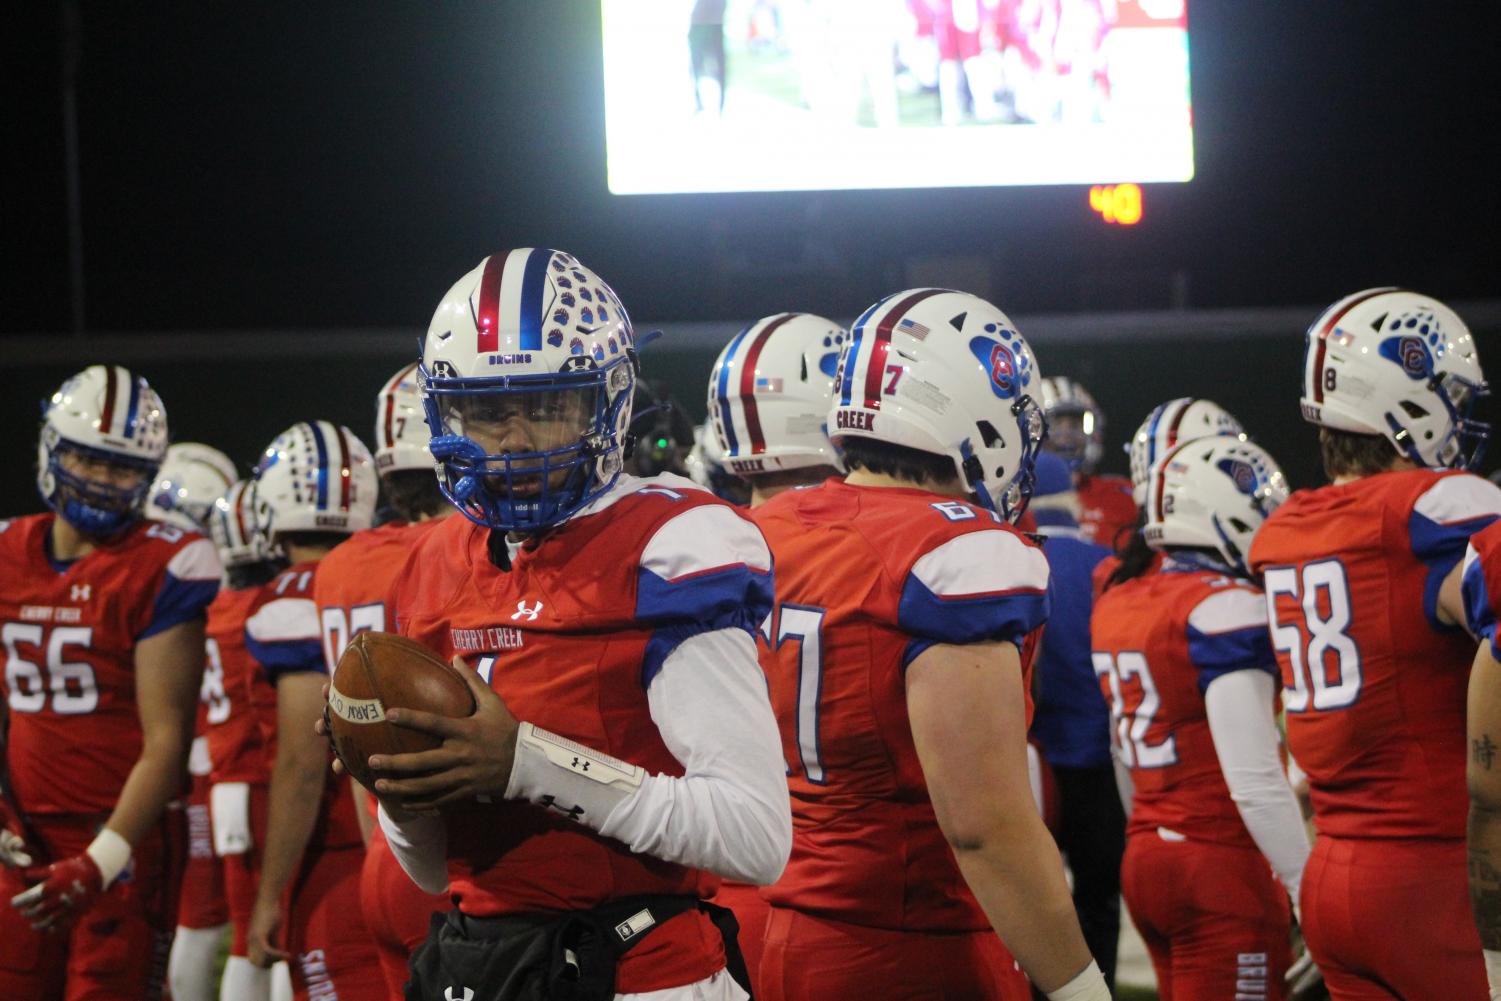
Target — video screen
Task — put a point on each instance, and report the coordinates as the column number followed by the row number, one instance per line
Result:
column 798, row 95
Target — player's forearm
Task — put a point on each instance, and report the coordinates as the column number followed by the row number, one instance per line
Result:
column 1016, row 874
column 295, row 797
column 154, row 781
column 1484, row 849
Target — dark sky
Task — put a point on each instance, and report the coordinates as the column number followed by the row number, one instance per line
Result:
column 338, row 164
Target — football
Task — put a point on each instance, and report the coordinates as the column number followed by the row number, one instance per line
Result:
column 380, row 671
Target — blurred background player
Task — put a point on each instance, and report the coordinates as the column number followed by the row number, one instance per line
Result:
column 769, row 395
column 1482, row 595
column 705, row 466
column 614, row 611
column 1169, row 425
column 768, row 401
column 102, row 618
column 351, row 591
column 1184, row 657
column 1076, row 434
column 241, row 733
column 1072, row 722
column 314, row 487
column 192, row 477
column 1362, row 579
column 904, row 602
column 661, row 433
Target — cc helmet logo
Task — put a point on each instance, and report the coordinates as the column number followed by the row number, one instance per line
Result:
column 1411, row 353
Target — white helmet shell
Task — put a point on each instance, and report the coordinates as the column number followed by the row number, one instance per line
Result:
column 315, row 476
column 401, row 433
column 769, row 394
column 532, row 322
column 1172, row 424
column 1061, row 396
column 1402, row 365
column 944, row 372
column 1213, row 493
column 233, row 527
column 192, row 477
column 104, row 412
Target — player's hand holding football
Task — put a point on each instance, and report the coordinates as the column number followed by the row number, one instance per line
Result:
column 475, row 759
column 63, row 891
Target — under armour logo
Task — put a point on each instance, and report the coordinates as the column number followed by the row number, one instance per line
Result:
column 530, row 613
column 550, row 802
column 81, row 592
column 449, row 995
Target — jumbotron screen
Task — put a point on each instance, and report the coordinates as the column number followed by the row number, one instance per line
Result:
column 799, row 95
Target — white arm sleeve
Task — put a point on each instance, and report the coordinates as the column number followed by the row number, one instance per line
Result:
column 420, row 844
column 1239, row 705
column 730, row 812
column 1123, row 784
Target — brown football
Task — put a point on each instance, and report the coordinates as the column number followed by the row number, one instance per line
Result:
column 380, row 671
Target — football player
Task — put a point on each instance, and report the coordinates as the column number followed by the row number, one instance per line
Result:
column 1072, row 724
column 102, row 619
column 350, row 592
column 1185, row 660
column 192, row 477
column 1362, row 580
column 769, row 394
column 1169, row 425
column 241, row 730
column 1482, row 595
column 1076, row 434
column 613, row 617
column 314, row 486
column 904, row 603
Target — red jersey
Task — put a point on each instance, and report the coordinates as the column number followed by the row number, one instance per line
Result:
column 241, row 699
column 1106, row 508
column 354, row 580
column 1374, row 684
column 70, row 631
column 570, row 636
column 282, row 637
column 1158, row 642
column 867, row 579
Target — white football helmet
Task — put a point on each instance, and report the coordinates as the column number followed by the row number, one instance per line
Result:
column 232, row 525
column 1402, row 365
column 769, row 394
column 104, row 414
column 1082, row 446
column 1213, row 493
column 192, row 477
column 401, row 433
column 533, row 352
column 315, row 476
column 1172, row 424
column 945, row 372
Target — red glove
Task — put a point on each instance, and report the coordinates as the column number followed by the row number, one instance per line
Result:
column 67, row 889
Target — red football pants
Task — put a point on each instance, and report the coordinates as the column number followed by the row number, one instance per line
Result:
column 751, row 912
column 333, row 954
column 1215, row 920
column 1389, row 920
column 809, row 958
column 396, row 911
column 118, row 948
column 203, row 904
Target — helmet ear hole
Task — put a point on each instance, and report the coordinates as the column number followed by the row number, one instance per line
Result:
column 1239, row 525
column 1413, row 410
column 988, row 434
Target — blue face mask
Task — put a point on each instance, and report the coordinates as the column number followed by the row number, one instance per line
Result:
column 98, row 510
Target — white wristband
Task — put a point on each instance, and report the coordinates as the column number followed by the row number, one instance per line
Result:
column 1089, row 985
column 111, row 853
column 566, row 776
column 1493, row 971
